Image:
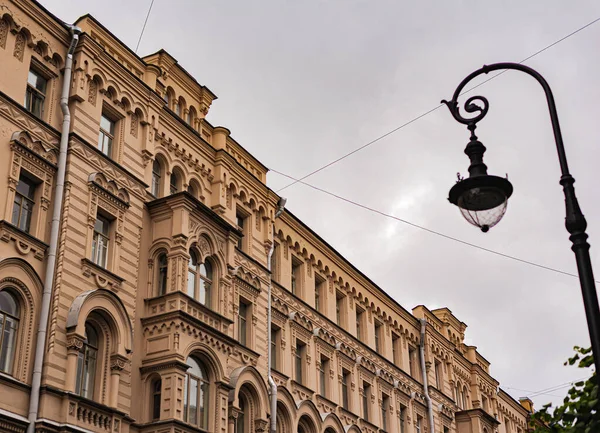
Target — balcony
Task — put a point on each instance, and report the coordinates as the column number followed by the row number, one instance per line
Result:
column 181, row 302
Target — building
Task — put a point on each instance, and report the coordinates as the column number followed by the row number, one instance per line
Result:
column 157, row 306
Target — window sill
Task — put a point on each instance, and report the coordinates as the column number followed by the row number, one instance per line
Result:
column 301, row 391
column 103, row 278
column 25, row 243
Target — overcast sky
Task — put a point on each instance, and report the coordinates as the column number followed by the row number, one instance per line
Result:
column 303, row 82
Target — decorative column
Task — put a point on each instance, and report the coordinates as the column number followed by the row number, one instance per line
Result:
column 232, row 419
column 74, row 346
column 117, row 364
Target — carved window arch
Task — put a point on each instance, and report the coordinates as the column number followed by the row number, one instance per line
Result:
column 10, row 313
column 197, row 393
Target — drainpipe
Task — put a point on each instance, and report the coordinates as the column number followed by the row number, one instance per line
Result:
column 272, row 384
column 34, row 399
column 424, row 374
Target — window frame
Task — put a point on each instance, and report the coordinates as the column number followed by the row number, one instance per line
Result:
column 162, row 273
column 156, row 400
column 320, row 293
column 243, row 334
column 360, row 328
column 396, row 349
column 345, row 395
column 200, row 278
column 300, row 356
column 34, row 183
column 365, row 401
column 340, row 308
column 378, row 328
column 155, row 184
column 32, row 92
column 105, row 237
column 88, row 351
column 201, row 416
column 296, row 274
column 111, row 135
column 385, row 403
column 323, row 376
column 10, row 355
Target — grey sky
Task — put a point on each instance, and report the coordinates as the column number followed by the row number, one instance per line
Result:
column 301, row 83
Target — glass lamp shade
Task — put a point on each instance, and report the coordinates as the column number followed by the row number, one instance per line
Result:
column 482, row 200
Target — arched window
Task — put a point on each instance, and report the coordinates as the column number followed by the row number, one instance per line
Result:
column 192, row 190
column 465, row 396
column 196, row 395
column 161, row 275
column 240, row 427
column 173, row 183
column 9, row 325
column 156, row 175
column 200, row 278
column 156, row 396
column 86, row 364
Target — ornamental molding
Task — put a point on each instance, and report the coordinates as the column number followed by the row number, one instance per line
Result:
column 25, row 244
column 102, row 278
column 107, row 167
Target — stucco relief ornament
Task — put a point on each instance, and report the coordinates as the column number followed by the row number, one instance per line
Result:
column 3, row 33
column 19, row 46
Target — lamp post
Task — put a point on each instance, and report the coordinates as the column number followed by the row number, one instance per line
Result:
column 482, row 198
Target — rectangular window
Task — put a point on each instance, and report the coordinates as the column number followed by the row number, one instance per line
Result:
column 339, row 308
column 365, row 400
column 243, row 323
column 378, row 337
column 274, row 342
column 296, row 275
column 359, row 319
column 412, row 361
column 241, row 223
column 320, row 290
column 419, row 424
column 323, row 371
column 106, row 136
column 100, row 242
column 345, row 383
column 396, row 348
column 385, row 403
column 300, row 355
column 438, row 375
column 35, row 93
column 275, row 263
column 24, row 202
column 484, row 403
column 507, row 425
column 402, row 416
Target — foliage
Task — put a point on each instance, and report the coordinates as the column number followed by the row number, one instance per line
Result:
column 579, row 410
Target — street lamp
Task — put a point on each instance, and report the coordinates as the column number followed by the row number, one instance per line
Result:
column 482, row 198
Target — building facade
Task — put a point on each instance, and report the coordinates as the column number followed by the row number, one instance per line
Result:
column 157, row 317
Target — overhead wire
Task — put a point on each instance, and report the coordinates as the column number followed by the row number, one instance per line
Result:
column 546, row 391
column 144, row 27
column 435, row 232
column 420, row 116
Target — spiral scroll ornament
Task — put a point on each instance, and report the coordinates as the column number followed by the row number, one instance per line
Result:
column 471, row 106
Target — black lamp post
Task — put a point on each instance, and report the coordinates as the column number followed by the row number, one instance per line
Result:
column 482, row 198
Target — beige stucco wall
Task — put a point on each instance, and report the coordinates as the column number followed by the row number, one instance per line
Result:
column 147, row 335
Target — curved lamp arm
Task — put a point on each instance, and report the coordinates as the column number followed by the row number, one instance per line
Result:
column 471, row 107
column 575, row 221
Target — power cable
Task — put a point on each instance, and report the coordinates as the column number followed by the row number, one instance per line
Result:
column 452, row 238
column 358, row 149
column 144, row 27
column 550, row 389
